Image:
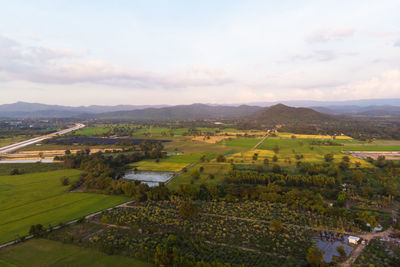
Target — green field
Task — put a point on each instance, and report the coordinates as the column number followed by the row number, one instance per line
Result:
column 43, row 252
column 243, row 142
column 93, row 130
column 39, row 198
column 289, row 148
column 25, row 168
column 218, row 170
column 172, row 163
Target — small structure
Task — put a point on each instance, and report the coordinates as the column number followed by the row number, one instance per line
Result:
column 353, row 240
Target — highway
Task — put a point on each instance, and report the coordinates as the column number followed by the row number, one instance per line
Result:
column 16, row 146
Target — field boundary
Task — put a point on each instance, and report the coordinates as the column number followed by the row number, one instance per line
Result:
column 16, row 241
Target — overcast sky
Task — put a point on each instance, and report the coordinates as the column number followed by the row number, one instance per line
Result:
column 208, row 51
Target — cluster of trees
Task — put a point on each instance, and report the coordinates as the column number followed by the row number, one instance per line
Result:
column 101, row 172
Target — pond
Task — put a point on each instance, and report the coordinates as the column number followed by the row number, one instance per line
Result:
column 329, row 247
column 149, row 177
column 26, row 161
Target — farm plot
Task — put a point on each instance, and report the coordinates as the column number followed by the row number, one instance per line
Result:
column 172, row 163
column 243, row 142
column 209, row 173
column 39, row 198
column 289, row 151
column 97, row 130
column 44, row 252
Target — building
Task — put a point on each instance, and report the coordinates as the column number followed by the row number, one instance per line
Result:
column 353, row 240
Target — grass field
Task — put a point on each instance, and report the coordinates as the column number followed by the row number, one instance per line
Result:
column 39, row 198
column 218, row 170
column 172, row 163
column 43, row 252
column 242, row 142
column 289, row 148
column 93, row 130
column 25, row 168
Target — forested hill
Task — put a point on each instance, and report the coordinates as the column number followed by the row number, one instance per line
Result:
column 182, row 112
column 282, row 114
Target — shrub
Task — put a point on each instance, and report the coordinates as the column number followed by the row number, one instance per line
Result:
column 15, row 172
column 221, row 158
column 64, row 181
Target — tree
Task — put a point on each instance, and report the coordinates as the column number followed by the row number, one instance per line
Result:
column 276, row 149
column 221, row 158
column 260, row 168
column 341, row 251
column 328, row 157
column 358, row 177
column 188, row 210
column 315, row 256
column 64, row 180
column 67, row 152
column 36, row 230
column 276, row 225
column 255, row 156
column 15, row 172
column 196, row 174
column 266, row 162
column 276, row 168
column 275, row 158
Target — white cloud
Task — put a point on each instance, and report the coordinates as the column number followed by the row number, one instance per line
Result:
column 325, row 35
column 397, row 43
column 384, row 85
column 47, row 65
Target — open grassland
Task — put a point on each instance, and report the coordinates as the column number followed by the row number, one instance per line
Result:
column 213, row 173
column 39, row 198
column 172, row 163
column 25, row 168
column 242, row 142
column 93, row 130
column 212, row 139
column 289, row 148
column 187, row 146
column 43, row 252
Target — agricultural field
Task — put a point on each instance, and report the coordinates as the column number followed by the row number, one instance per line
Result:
column 39, row 198
column 172, row 163
column 25, row 168
column 211, row 173
column 96, row 130
column 288, row 149
column 44, row 252
column 241, row 142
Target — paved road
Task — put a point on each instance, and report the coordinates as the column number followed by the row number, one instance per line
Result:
column 16, row 146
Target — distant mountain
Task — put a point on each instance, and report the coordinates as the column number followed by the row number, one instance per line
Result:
column 315, row 103
column 181, row 112
column 36, row 110
column 368, row 111
column 363, row 108
column 282, row 114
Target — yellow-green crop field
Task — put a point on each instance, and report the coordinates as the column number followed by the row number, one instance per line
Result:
column 39, row 198
column 312, row 136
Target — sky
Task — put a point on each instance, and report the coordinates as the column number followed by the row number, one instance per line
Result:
column 183, row 51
